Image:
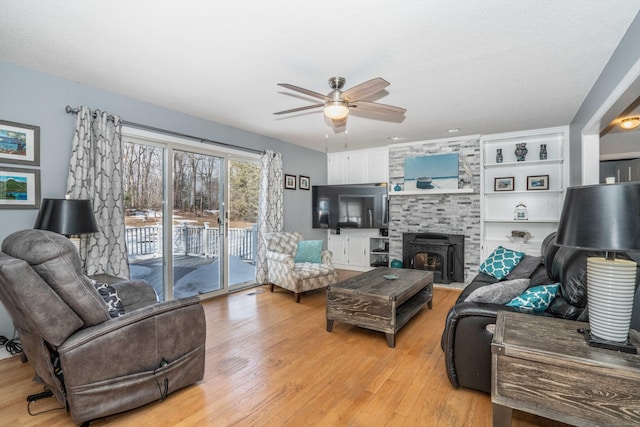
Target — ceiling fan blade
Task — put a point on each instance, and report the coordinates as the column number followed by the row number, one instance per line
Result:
column 305, row 91
column 293, row 110
column 376, row 107
column 364, row 89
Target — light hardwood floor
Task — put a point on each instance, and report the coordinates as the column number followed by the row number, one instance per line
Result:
column 271, row 362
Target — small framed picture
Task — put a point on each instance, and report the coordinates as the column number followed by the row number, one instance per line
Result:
column 289, row 182
column 19, row 143
column 538, row 182
column 505, row 183
column 19, row 188
column 304, row 182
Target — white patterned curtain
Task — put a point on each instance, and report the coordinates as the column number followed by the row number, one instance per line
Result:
column 95, row 173
column 270, row 207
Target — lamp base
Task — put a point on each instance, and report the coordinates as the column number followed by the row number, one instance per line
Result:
column 593, row 341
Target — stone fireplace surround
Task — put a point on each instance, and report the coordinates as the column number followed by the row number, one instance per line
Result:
column 454, row 213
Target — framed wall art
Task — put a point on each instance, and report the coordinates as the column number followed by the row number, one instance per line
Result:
column 505, row 183
column 436, row 171
column 19, row 188
column 19, row 143
column 289, row 182
column 538, row 182
column 304, row 183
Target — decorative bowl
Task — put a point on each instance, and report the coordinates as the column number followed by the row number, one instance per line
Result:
column 516, row 239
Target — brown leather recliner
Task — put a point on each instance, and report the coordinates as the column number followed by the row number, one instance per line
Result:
column 96, row 365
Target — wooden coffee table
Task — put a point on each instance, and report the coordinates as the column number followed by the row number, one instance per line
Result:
column 370, row 301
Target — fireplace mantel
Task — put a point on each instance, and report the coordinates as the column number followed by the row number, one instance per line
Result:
column 429, row 192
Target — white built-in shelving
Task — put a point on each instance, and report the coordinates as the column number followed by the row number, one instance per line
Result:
column 543, row 206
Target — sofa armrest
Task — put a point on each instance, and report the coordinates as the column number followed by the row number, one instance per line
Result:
column 135, row 342
column 327, row 257
column 466, row 342
column 135, row 294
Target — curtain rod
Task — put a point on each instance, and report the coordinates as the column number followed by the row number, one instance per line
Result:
column 70, row 110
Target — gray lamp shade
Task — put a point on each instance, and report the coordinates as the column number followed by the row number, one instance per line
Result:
column 603, row 217
column 66, row 216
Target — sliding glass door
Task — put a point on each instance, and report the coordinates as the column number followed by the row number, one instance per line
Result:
column 144, row 194
column 242, row 222
column 181, row 237
column 198, row 228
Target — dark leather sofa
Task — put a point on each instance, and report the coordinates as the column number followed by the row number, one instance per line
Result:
column 466, row 339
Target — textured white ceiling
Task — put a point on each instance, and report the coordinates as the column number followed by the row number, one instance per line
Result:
column 483, row 66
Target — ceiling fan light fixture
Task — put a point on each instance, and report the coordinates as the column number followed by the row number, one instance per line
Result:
column 336, row 110
column 630, row 123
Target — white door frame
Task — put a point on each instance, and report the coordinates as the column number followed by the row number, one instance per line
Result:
column 590, row 135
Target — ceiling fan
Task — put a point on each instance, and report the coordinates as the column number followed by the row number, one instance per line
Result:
column 337, row 103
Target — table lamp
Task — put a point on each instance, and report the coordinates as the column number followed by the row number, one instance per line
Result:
column 66, row 216
column 605, row 218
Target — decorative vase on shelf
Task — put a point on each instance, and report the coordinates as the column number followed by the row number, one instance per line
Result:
column 499, row 155
column 521, row 151
column 397, row 188
column 543, row 151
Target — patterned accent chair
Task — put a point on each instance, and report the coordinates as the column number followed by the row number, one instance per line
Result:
column 296, row 277
column 95, row 364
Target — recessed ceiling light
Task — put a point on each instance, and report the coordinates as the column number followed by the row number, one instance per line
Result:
column 395, row 138
column 453, row 130
column 630, row 123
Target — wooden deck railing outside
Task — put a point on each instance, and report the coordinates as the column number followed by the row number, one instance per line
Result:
column 192, row 240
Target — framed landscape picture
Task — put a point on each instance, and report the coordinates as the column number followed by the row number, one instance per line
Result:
column 304, row 183
column 505, row 183
column 19, row 188
column 436, row 171
column 289, row 182
column 538, row 182
column 19, row 143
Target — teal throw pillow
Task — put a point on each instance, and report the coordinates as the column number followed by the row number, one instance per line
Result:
column 537, row 298
column 501, row 262
column 309, row 251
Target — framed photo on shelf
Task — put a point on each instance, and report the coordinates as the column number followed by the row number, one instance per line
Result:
column 19, row 188
column 538, row 182
column 304, row 183
column 289, row 182
column 505, row 183
column 19, row 143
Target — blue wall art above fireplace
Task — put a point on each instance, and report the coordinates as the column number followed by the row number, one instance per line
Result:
column 438, row 171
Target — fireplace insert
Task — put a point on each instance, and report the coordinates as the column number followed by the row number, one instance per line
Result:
column 441, row 253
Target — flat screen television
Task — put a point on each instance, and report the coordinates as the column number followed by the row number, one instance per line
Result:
column 350, row 206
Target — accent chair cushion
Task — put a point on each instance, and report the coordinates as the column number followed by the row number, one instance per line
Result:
column 309, row 251
column 499, row 293
column 501, row 262
column 283, row 242
column 535, row 299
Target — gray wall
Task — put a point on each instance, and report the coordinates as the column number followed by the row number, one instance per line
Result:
column 625, row 56
column 39, row 99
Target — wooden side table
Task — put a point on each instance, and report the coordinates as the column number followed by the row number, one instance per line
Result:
column 544, row 366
